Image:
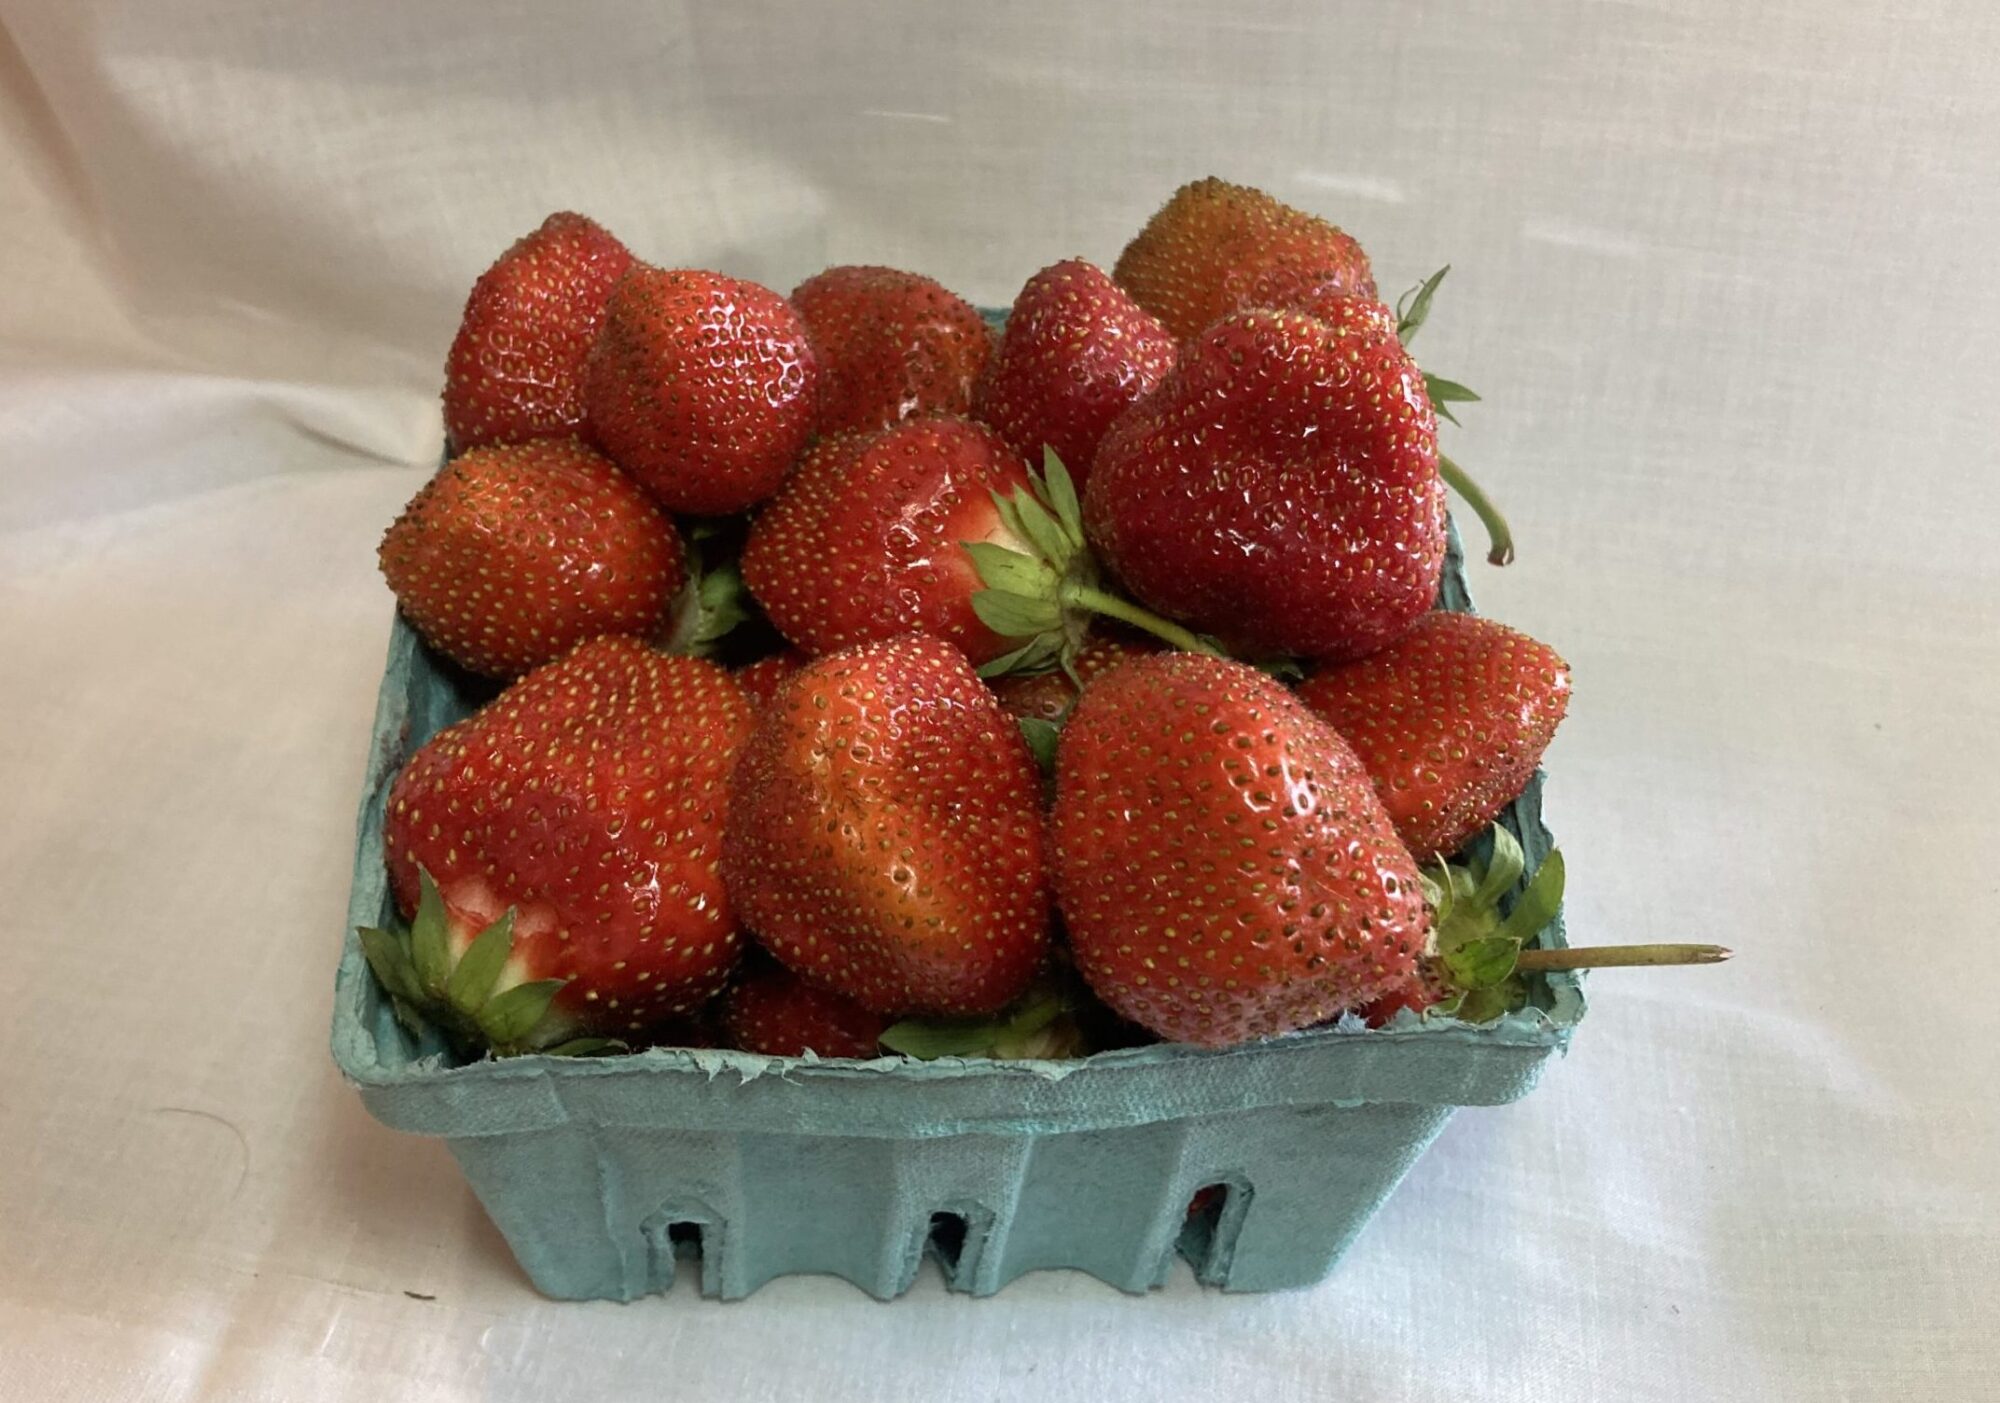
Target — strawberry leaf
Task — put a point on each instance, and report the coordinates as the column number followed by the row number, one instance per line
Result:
column 1060, row 491
column 430, row 941
column 1039, row 654
column 1014, row 615
column 1480, row 964
column 1008, row 570
column 510, row 1016
column 389, row 956
column 1413, row 308
column 1041, row 737
column 1447, row 391
column 1536, row 906
column 586, row 1047
column 478, row 969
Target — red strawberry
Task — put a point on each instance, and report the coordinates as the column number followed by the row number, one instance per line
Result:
column 1048, row 696
column 1450, row 719
column 514, row 554
column 891, row 345
column 1077, row 352
column 1280, row 488
column 702, row 387
column 863, row 541
column 773, row 1011
column 760, row 680
column 589, row 798
column 1217, row 248
column 1224, row 868
column 515, row 370
column 885, row 835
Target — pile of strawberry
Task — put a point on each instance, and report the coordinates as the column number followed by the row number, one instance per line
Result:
column 874, row 681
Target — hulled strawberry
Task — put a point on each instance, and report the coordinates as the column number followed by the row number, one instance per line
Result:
column 1217, row 248
column 1280, row 488
column 1450, row 720
column 1223, row 866
column 773, row 1011
column 760, row 680
column 1048, row 696
column 703, row 387
column 885, row 833
column 564, row 841
column 891, row 346
column 515, row 370
column 1076, row 353
column 865, row 541
column 514, row 554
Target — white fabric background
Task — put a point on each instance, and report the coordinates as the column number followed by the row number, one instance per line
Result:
column 1724, row 273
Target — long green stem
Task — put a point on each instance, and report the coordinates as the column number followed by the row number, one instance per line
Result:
column 1097, row 601
column 1499, row 537
column 1605, row 956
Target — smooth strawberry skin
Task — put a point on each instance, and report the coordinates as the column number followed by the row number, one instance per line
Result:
column 1450, row 720
column 773, row 1011
column 891, row 346
column 589, row 797
column 515, row 369
column 1076, row 353
column 1048, row 696
column 864, row 541
column 1217, row 248
column 760, row 680
column 1223, row 866
column 1280, row 488
column 513, row 554
column 885, row 836
column 703, row 387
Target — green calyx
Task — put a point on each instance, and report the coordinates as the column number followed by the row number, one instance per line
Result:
column 1039, row 1028
column 715, row 600
column 463, row 997
column 1412, row 310
column 1042, row 596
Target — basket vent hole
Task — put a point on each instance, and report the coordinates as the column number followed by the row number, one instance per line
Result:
column 947, row 1238
column 685, row 1240
column 1199, row 1233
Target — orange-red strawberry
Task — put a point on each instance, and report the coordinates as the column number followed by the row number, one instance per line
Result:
column 1217, row 248
column 891, row 345
column 885, row 833
column 1450, row 719
column 773, row 1011
column 1280, row 488
column 760, row 680
column 588, row 799
column 515, row 370
column 1223, row 866
column 703, row 387
column 1048, row 696
column 514, row 554
column 864, row 540
column 1077, row 352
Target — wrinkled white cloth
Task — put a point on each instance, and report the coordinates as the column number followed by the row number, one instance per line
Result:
column 1723, row 273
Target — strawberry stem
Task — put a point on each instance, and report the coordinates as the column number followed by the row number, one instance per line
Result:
column 1606, row 956
column 1082, row 596
column 1499, row 536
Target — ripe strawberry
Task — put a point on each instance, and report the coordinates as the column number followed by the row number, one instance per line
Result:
column 588, row 800
column 515, row 370
column 773, row 1011
column 891, row 345
column 702, row 387
column 514, row 554
column 863, row 542
column 1076, row 353
column 1450, row 719
column 1217, row 248
column 1048, row 696
column 1223, row 866
column 760, row 680
column 885, row 834
column 1280, row 488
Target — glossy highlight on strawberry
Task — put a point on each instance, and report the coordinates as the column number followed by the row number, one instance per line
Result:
column 1223, row 866
column 891, row 346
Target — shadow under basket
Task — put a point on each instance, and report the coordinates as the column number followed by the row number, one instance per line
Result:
column 611, row 1177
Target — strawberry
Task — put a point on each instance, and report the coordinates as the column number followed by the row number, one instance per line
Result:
column 773, row 1011
column 760, row 680
column 514, row 554
column 515, row 370
column 1076, row 353
column 1223, row 866
column 1280, row 488
column 1048, row 696
column 701, row 386
column 1217, row 248
column 1450, row 720
column 863, row 542
column 891, row 345
column 580, row 817
column 885, row 833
